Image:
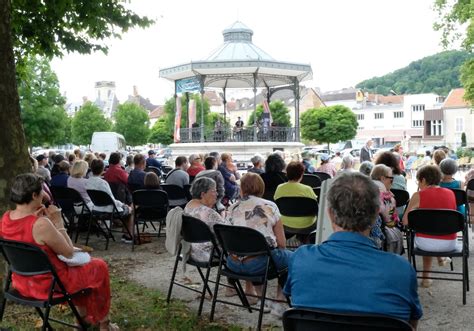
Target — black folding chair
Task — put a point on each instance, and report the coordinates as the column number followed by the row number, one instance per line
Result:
column 402, row 197
column 322, row 175
column 156, row 170
column 242, row 241
column 175, row 192
column 439, row 222
column 67, row 199
column 194, row 230
column 312, row 319
column 150, row 206
column 29, row 260
column 102, row 199
column 311, row 180
column 297, row 207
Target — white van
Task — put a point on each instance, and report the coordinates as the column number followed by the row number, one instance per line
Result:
column 108, row 142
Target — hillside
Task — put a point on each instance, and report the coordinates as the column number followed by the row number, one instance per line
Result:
column 437, row 73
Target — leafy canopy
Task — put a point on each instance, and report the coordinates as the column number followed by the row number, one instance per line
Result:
column 438, row 73
column 131, row 120
column 454, row 15
column 280, row 114
column 50, row 27
column 160, row 133
column 88, row 120
column 329, row 124
column 42, row 107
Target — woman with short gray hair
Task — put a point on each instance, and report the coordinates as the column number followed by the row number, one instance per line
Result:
column 204, row 197
column 347, row 164
column 366, row 168
column 257, row 161
column 449, row 168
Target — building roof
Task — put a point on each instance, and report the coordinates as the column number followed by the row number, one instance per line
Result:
column 213, row 98
column 385, row 99
column 157, row 112
column 455, row 99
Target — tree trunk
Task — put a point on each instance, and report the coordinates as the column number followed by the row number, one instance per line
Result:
column 13, row 149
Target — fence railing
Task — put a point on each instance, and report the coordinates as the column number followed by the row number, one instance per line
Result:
column 245, row 134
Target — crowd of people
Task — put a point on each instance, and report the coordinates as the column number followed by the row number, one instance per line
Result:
column 368, row 228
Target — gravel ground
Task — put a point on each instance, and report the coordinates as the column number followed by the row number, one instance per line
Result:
column 152, row 267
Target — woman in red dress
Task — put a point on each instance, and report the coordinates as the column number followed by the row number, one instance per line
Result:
column 32, row 223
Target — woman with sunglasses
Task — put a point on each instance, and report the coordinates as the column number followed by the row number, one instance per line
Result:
column 383, row 177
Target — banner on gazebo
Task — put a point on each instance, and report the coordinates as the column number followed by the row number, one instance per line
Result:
column 191, row 84
column 192, row 112
column 266, row 116
column 177, row 121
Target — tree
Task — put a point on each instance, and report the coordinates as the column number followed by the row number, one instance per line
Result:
column 42, row 106
column 170, row 112
column 454, row 15
column 131, row 120
column 280, row 114
column 46, row 28
column 329, row 124
column 88, row 120
column 160, row 133
column 463, row 139
column 438, row 73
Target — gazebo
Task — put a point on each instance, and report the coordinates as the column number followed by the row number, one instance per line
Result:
column 239, row 64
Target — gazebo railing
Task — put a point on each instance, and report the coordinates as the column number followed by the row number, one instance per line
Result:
column 245, row 134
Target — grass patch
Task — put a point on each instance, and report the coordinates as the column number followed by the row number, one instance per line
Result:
column 134, row 307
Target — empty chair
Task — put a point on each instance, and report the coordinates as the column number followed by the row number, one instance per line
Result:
column 156, row 170
column 102, row 199
column 322, row 175
column 150, row 206
column 72, row 206
column 311, row 180
column 311, row 319
column 177, row 195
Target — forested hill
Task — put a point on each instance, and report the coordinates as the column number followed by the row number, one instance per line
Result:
column 437, row 73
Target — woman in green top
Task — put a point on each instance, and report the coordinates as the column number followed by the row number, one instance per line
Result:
column 293, row 188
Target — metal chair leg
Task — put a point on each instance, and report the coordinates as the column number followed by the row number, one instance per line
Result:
column 173, row 276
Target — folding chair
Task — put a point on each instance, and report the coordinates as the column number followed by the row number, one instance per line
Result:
column 156, row 170
column 297, row 207
column 440, row 222
column 295, row 319
column 194, row 230
column 67, row 199
column 322, row 175
column 102, row 199
column 402, row 198
column 243, row 241
column 175, row 192
column 462, row 200
column 470, row 187
column 150, row 206
column 311, row 180
column 29, row 260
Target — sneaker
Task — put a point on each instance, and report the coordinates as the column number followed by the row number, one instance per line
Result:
column 127, row 239
column 444, row 261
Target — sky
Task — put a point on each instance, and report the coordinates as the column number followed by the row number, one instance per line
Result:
column 344, row 41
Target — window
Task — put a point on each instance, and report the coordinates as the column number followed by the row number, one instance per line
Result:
column 459, row 124
column 417, row 123
column 360, row 117
column 397, row 114
column 417, row 107
column 378, row 116
column 436, row 128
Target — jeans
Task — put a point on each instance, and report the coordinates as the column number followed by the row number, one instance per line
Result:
column 256, row 265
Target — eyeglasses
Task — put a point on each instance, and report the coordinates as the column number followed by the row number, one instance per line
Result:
column 389, row 177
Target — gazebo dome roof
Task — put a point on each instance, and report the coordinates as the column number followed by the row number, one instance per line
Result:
column 238, row 46
column 238, row 63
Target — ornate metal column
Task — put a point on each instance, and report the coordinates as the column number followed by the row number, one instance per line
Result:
column 297, row 109
column 255, row 106
column 202, row 107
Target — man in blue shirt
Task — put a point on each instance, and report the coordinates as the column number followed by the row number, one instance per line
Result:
column 151, row 161
column 347, row 273
column 136, row 179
